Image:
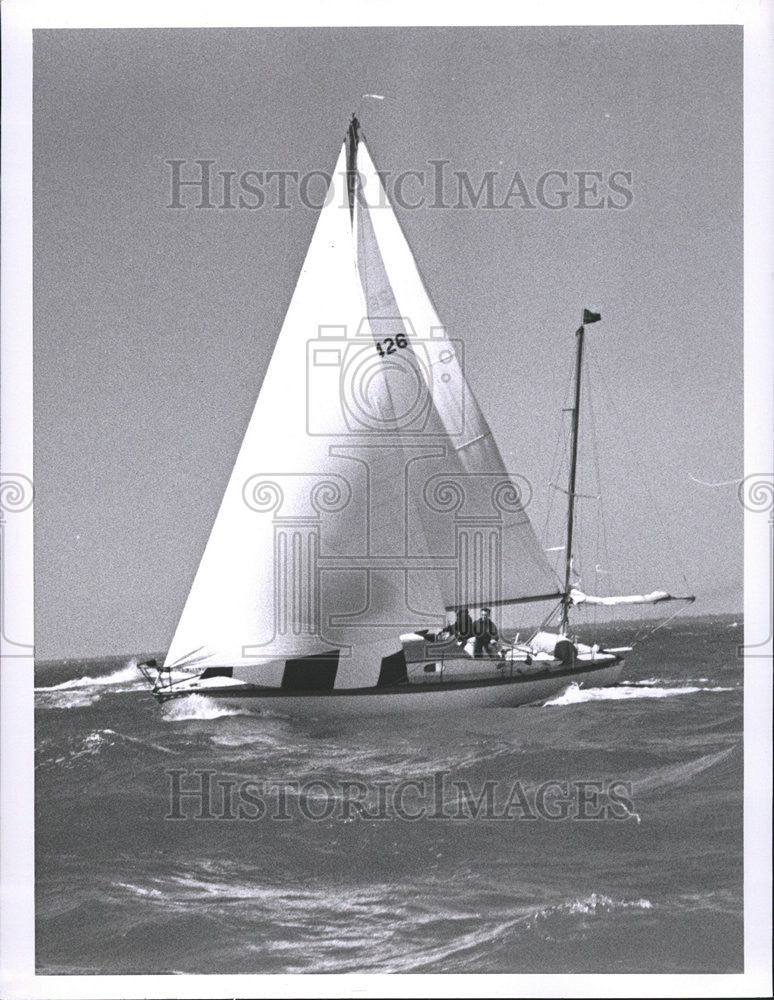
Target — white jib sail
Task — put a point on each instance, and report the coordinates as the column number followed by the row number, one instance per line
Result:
column 466, row 499
column 368, row 494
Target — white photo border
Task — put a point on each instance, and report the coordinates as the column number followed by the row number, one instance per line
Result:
column 17, row 946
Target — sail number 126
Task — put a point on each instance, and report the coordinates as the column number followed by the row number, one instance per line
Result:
column 388, row 345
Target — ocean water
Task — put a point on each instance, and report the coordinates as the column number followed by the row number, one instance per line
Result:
column 598, row 832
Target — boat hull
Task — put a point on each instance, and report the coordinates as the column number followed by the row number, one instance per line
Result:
column 434, row 697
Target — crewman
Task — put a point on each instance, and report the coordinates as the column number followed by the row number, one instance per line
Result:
column 486, row 633
column 463, row 626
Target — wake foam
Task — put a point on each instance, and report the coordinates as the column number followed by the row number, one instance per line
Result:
column 655, row 681
column 198, row 706
column 575, row 695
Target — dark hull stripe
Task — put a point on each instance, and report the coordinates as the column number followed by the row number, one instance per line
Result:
column 256, row 691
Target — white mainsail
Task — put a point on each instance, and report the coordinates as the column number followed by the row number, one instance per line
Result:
column 368, row 494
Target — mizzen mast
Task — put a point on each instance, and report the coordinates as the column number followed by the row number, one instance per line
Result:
column 588, row 317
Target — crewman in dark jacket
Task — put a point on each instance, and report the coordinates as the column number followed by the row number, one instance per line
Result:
column 463, row 626
column 485, row 632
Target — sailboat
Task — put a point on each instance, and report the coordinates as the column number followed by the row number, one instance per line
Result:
column 368, row 501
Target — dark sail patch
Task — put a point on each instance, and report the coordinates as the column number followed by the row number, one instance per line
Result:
column 393, row 670
column 311, row 673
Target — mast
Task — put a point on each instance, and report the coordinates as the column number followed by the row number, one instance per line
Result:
column 571, row 488
column 588, row 317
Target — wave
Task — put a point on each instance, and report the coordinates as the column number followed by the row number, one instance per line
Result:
column 378, row 928
column 125, row 677
column 542, row 920
column 95, row 742
column 49, row 699
column 87, row 746
column 675, row 774
column 149, row 744
column 575, row 695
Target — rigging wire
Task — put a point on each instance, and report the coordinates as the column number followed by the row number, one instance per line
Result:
column 638, row 637
column 630, row 451
column 643, row 632
column 557, row 464
column 601, row 545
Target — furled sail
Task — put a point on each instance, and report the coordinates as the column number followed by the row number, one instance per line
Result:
column 655, row 597
column 368, row 494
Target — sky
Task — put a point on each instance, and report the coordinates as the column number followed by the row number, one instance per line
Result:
column 153, row 326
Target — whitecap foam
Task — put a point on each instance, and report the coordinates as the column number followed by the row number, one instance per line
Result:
column 198, row 706
column 591, row 905
column 49, row 699
column 138, row 890
column 575, row 695
column 88, row 746
column 149, row 744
